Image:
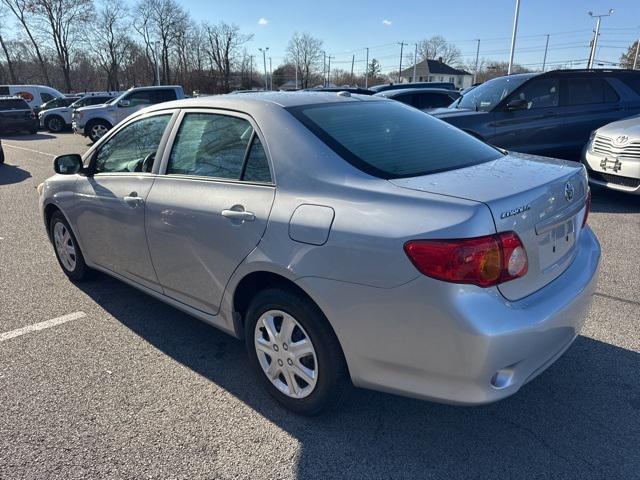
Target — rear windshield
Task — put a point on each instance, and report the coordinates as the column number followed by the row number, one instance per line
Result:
column 14, row 104
column 391, row 140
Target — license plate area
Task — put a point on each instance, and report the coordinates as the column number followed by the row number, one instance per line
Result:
column 557, row 243
column 611, row 163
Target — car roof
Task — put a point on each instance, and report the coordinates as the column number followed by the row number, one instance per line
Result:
column 248, row 101
column 400, row 91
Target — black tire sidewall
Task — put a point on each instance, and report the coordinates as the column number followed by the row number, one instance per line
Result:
column 51, row 119
column 331, row 366
column 80, row 271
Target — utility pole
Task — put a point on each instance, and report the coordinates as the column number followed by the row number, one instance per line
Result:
column 475, row 70
column 270, row 75
column 596, row 34
column 366, row 71
column 353, row 60
column 329, row 57
column 155, row 45
column 546, row 47
column 324, row 69
column 415, row 63
column 296, row 73
column 264, row 62
column 250, row 72
column 513, row 37
column 635, row 60
column 402, row 44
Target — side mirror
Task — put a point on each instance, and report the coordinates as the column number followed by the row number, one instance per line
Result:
column 517, row 104
column 67, row 164
column 124, row 103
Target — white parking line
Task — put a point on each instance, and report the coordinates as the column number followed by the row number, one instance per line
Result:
column 4, row 144
column 41, row 326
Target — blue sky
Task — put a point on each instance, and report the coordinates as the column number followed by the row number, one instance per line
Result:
column 347, row 27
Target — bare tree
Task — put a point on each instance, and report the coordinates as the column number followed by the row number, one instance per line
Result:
column 109, row 40
column 21, row 10
column 223, row 44
column 305, row 52
column 436, row 47
column 63, row 20
column 5, row 49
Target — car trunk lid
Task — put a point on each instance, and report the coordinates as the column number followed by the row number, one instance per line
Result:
column 541, row 199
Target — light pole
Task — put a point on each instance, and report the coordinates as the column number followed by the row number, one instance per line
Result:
column 475, row 71
column 270, row 75
column 366, row 71
column 513, row 36
column 155, row 45
column 596, row 33
column 635, row 60
column 264, row 62
column 415, row 62
column 324, row 69
column 546, row 47
column 329, row 57
column 402, row 44
column 250, row 72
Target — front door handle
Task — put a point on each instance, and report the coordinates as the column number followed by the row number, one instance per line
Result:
column 237, row 212
column 133, row 199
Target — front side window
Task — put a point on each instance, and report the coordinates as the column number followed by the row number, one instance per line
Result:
column 433, row 100
column 540, row 93
column 586, row 91
column 486, row 96
column 46, row 97
column 210, row 145
column 133, row 148
column 142, row 98
column 391, row 140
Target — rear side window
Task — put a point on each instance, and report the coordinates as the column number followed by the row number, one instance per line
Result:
column 586, row 91
column 14, row 104
column 164, row 95
column 407, row 99
column 98, row 100
column 257, row 167
column 210, row 145
column 391, row 140
column 433, row 100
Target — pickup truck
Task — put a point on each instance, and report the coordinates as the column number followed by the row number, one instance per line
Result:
column 94, row 121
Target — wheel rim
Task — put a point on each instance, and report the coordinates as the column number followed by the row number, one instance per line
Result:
column 65, row 247
column 97, row 131
column 286, row 354
column 54, row 125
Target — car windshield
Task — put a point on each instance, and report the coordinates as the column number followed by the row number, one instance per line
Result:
column 392, row 140
column 486, row 96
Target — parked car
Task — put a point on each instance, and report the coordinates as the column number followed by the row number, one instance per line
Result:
column 343, row 237
column 58, row 102
column 612, row 156
column 422, row 98
column 357, row 90
column 396, row 86
column 16, row 115
column 57, row 119
column 34, row 95
column 95, row 121
column 550, row 113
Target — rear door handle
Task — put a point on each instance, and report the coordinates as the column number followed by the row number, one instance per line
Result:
column 237, row 212
column 133, row 199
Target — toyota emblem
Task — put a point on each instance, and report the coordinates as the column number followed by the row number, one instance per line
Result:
column 568, row 191
column 622, row 139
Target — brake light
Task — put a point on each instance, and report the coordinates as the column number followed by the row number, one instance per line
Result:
column 483, row 261
column 587, row 205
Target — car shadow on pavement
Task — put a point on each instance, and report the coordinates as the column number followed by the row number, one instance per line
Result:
column 578, row 420
column 11, row 174
column 612, row 201
column 26, row 137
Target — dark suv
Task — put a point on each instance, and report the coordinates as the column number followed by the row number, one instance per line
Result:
column 16, row 115
column 550, row 113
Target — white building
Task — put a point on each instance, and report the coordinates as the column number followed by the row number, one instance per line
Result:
column 436, row 71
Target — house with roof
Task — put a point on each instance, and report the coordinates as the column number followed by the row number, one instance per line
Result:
column 436, row 71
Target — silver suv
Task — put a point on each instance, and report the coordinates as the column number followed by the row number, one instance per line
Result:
column 95, row 121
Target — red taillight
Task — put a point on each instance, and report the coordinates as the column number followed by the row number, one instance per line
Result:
column 587, row 205
column 483, row 261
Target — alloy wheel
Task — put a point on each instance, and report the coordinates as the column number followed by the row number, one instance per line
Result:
column 65, row 246
column 97, row 131
column 286, row 354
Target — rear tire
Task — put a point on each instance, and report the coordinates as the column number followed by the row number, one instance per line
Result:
column 67, row 249
column 96, row 129
column 295, row 352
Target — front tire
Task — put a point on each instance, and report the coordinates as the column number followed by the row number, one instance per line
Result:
column 97, row 129
column 294, row 351
column 55, row 124
column 67, row 249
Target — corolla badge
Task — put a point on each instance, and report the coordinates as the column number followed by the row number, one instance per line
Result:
column 621, row 139
column 569, row 191
column 515, row 211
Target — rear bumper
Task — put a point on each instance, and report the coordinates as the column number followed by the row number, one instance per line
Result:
column 457, row 343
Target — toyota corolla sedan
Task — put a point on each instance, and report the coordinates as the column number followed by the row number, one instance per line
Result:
column 348, row 239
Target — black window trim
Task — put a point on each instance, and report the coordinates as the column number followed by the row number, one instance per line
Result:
column 173, row 134
column 356, row 161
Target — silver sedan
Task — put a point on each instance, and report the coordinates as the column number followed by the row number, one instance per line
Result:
column 347, row 239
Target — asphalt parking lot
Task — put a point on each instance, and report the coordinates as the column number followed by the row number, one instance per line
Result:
column 131, row 388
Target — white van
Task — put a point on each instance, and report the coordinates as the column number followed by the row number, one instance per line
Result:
column 35, row 95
